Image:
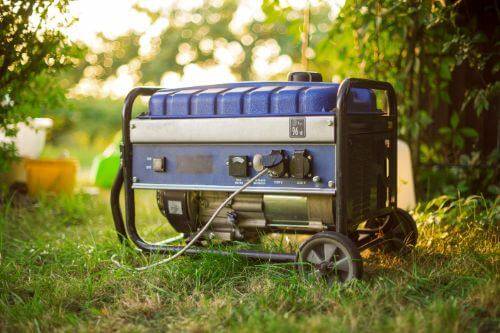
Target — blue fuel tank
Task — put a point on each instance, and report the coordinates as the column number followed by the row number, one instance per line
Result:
column 245, row 99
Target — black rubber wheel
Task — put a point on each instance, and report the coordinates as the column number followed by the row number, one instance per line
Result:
column 332, row 256
column 400, row 232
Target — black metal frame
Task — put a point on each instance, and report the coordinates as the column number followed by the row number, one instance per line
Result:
column 342, row 221
column 128, row 229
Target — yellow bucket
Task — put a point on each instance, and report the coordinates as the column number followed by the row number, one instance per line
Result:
column 51, row 175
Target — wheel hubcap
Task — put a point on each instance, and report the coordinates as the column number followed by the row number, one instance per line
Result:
column 329, row 261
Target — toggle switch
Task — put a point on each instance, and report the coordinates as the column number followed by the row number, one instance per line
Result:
column 159, row 164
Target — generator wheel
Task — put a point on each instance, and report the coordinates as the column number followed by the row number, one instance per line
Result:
column 400, row 231
column 332, row 256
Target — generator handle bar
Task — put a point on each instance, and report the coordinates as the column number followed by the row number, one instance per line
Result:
column 342, row 149
column 125, row 150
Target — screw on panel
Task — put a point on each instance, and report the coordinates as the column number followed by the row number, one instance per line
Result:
column 135, row 179
column 331, row 183
column 316, row 179
column 330, row 122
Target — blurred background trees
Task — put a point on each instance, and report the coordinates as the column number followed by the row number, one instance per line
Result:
column 441, row 56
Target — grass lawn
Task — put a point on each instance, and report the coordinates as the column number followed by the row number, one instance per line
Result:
column 56, row 275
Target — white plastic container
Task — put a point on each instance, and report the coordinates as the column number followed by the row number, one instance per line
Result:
column 406, row 186
column 30, row 138
column 29, row 141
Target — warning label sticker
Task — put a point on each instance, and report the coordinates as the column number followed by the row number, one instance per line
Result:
column 297, row 127
column 175, row 207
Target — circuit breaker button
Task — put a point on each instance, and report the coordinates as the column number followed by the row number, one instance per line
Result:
column 159, row 164
column 257, row 162
column 238, row 166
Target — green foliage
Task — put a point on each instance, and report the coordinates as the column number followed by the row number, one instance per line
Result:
column 30, row 54
column 472, row 174
column 460, row 214
column 55, row 274
column 418, row 46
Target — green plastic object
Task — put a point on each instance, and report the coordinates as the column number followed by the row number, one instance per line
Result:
column 105, row 166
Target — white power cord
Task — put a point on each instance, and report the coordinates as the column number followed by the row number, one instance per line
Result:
column 198, row 235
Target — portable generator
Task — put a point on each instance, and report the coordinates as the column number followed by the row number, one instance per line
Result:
column 236, row 161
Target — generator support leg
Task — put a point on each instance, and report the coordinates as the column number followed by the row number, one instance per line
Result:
column 115, row 207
